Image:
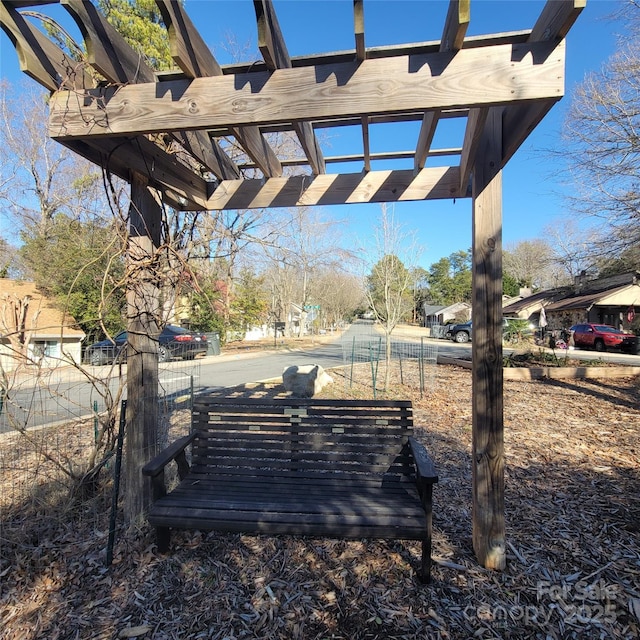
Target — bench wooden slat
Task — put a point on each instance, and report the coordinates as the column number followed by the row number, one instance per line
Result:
column 344, row 468
column 406, row 524
column 364, row 505
column 301, row 474
column 247, row 403
column 302, row 480
column 381, row 433
column 359, row 456
column 239, row 439
column 273, row 522
column 363, row 420
column 274, row 439
column 231, row 485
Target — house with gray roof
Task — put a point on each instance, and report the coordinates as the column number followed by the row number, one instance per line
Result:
column 444, row 314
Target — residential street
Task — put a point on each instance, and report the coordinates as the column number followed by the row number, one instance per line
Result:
column 64, row 394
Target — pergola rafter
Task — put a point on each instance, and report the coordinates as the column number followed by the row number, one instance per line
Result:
column 116, row 111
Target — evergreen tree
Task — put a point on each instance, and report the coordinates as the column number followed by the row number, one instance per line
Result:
column 450, row 279
column 140, row 22
column 79, row 265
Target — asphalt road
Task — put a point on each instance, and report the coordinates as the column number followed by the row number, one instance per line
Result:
column 230, row 371
column 66, row 394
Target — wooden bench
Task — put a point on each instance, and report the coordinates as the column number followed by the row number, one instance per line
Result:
column 334, row 468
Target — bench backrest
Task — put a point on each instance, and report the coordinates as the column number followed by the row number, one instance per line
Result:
column 307, row 437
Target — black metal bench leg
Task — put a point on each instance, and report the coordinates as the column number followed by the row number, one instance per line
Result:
column 424, row 574
column 425, row 565
column 163, row 538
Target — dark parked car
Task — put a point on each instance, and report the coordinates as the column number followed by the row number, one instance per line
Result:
column 602, row 337
column 460, row 332
column 174, row 342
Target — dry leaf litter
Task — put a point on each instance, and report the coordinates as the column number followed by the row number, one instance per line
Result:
column 573, row 531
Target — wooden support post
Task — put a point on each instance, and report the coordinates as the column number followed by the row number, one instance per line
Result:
column 143, row 307
column 488, row 442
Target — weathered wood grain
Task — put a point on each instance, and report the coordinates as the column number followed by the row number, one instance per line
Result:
column 110, row 54
column 39, row 58
column 455, row 28
column 276, row 56
column 412, row 83
column 143, row 312
column 159, row 168
column 358, row 29
column 519, row 122
column 472, row 135
column 192, row 55
column 556, row 19
column 188, row 49
column 425, row 138
column 487, row 398
column 456, row 25
column 433, row 183
column 107, row 51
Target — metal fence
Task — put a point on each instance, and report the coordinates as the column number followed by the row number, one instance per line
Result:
column 411, row 363
column 53, row 426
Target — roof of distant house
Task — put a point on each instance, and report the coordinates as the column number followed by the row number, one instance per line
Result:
column 433, row 309
column 535, row 299
column 581, row 295
column 44, row 319
column 587, row 300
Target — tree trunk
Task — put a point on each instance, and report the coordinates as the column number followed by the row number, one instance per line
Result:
column 143, row 311
column 387, row 351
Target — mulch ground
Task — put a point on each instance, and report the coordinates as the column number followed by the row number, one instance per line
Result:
column 573, row 531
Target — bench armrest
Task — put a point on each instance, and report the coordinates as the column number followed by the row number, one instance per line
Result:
column 172, row 452
column 425, row 468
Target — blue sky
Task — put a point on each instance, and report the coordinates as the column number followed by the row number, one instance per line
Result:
column 532, row 187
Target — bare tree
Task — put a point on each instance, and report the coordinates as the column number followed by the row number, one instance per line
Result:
column 40, row 183
column 531, row 263
column 339, row 295
column 302, row 246
column 10, row 265
column 603, row 144
column 573, row 252
column 390, row 276
column 41, row 177
column 13, row 324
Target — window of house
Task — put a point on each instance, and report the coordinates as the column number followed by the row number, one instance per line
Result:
column 45, row 348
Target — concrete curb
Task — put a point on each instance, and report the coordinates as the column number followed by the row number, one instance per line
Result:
column 570, row 373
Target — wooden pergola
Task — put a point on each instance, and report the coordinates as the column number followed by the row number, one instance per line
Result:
column 120, row 113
